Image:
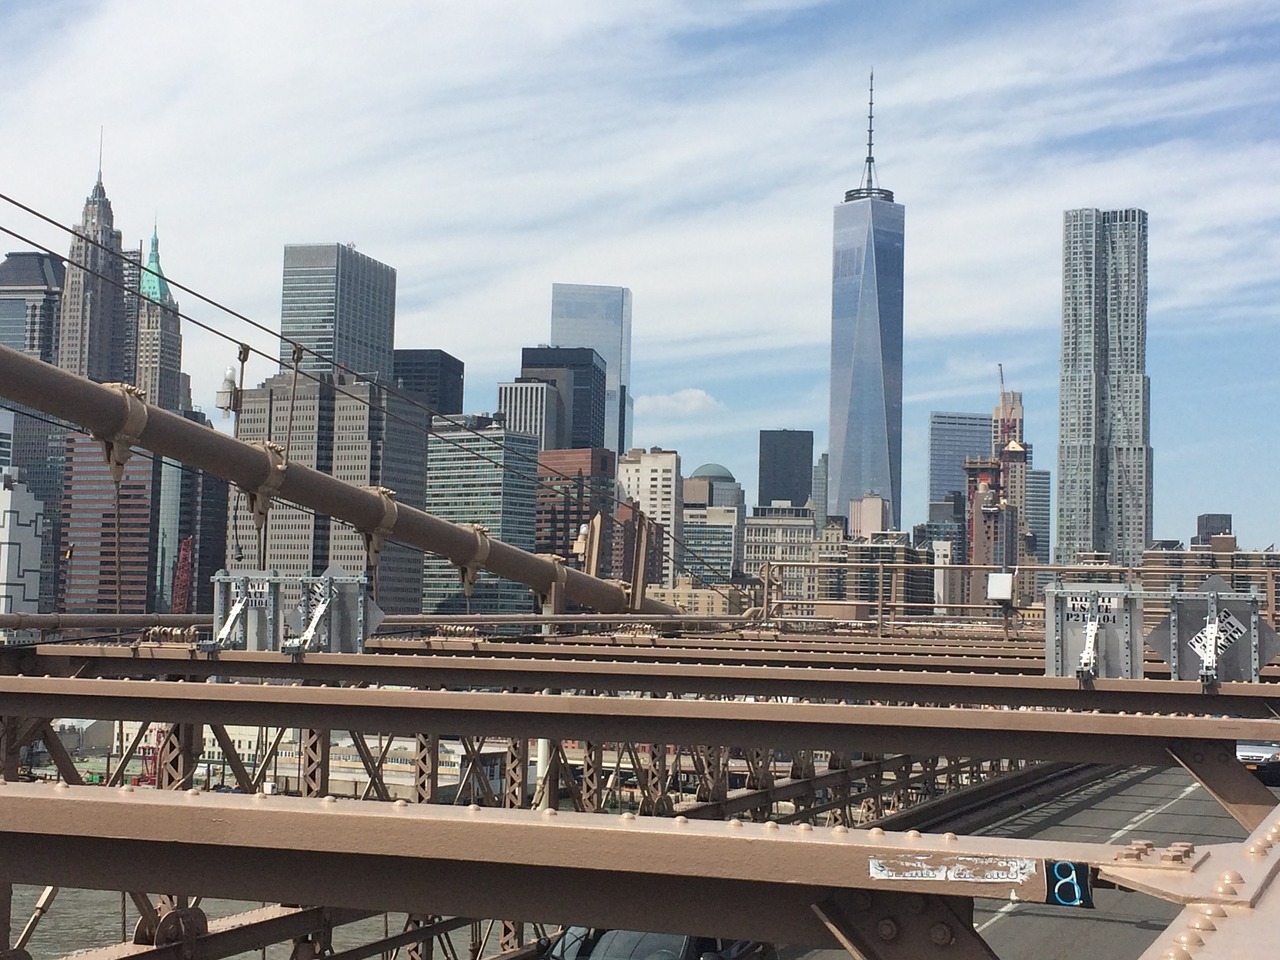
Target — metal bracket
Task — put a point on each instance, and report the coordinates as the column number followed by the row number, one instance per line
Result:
column 260, row 499
column 375, row 539
column 1087, row 669
column 471, row 569
column 117, row 447
column 1209, row 638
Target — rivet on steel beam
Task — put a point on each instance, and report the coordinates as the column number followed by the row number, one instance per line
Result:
column 329, row 799
column 913, row 834
column 1203, row 924
column 1189, row 938
column 402, row 803
column 875, row 832
column 734, row 824
column 1225, row 890
column 1175, row 953
column 771, row 824
column 194, row 792
column 839, row 828
column 1258, row 850
column 887, row 929
column 1212, row 910
column 60, row 785
column 627, row 816
column 680, row 821
column 475, row 808
column 1230, row 876
column 941, row 934
column 804, row 827
column 126, row 789
column 550, row 812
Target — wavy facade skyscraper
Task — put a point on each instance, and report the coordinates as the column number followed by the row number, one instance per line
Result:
column 1104, row 420
column 866, row 347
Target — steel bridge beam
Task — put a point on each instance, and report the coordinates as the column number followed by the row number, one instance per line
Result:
column 716, row 879
column 1260, row 700
column 845, row 728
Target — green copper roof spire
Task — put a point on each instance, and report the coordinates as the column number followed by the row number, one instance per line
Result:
column 152, row 284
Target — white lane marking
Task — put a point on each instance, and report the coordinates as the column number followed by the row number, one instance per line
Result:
column 1129, row 827
column 999, row 914
column 1142, row 818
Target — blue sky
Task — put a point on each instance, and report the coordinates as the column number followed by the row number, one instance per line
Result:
column 693, row 152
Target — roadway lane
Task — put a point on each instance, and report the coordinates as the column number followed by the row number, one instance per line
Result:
column 1160, row 805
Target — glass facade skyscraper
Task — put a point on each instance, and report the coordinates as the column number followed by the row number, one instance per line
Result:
column 341, row 304
column 866, row 347
column 1104, row 441
column 952, row 437
column 583, row 315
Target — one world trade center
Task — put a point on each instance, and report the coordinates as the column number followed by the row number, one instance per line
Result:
column 866, row 347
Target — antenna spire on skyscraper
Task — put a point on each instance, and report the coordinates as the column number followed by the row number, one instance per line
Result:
column 867, row 189
column 869, row 169
column 101, row 131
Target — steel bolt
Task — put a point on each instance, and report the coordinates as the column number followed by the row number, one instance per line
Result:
column 941, row 934
column 887, row 929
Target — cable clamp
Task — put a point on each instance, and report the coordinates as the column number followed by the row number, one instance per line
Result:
column 471, row 569
column 375, row 539
column 260, row 499
column 117, row 447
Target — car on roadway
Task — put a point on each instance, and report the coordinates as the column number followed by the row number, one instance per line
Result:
column 1260, row 758
column 586, row 943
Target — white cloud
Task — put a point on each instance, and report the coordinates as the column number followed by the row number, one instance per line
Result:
column 692, row 403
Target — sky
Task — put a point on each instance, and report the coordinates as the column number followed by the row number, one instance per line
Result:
column 693, row 152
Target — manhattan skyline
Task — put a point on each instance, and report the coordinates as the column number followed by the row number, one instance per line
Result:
column 700, row 175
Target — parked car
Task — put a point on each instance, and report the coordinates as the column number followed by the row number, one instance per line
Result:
column 1262, row 758
column 585, row 943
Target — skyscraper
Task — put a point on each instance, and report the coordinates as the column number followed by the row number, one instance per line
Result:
column 1039, row 516
column 952, row 437
column 652, row 479
column 431, row 377
column 583, row 315
column 108, row 539
column 866, row 346
column 531, row 406
column 31, row 286
column 786, row 467
column 159, row 336
column 1104, row 442
column 363, row 435
column 579, row 377
column 93, row 339
column 484, row 474
column 341, row 304
column 573, row 486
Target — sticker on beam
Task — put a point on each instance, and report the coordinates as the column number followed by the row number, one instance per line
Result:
column 1068, row 884
column 1017, row 870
